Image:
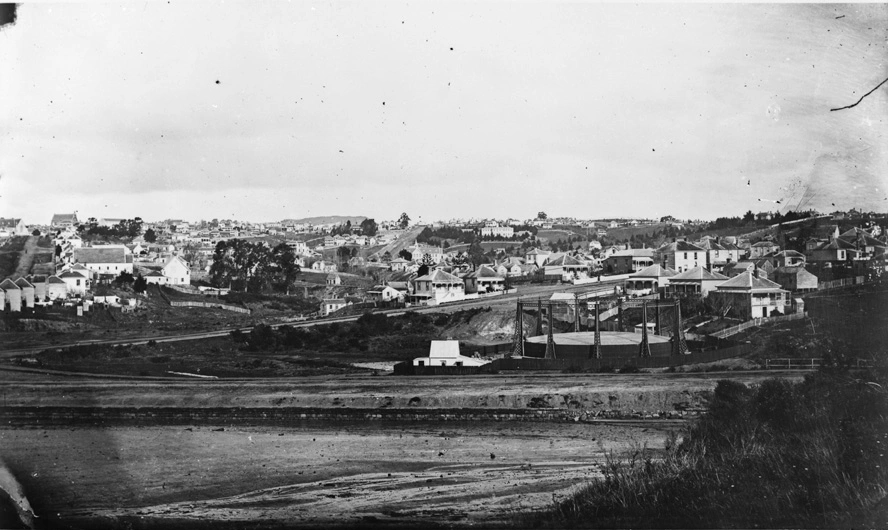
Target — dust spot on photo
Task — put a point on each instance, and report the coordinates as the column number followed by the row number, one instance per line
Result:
column 7, row 14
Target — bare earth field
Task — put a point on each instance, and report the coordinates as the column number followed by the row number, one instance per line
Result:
column 375, row 474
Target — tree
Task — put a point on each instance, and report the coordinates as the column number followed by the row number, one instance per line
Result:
column 58, row 250
column 150, row 235
column 283, row 266
column 386, row 256
column 405, row 254
column 748, row 217
column 369, row 227
column 124, row 278
column 423, row 270
column 404, row 220
column 476, row 253
column 140, row 285
column 542, row 216
column 36, row 232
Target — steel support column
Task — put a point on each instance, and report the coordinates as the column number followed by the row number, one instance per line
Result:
column 576, row 313
column 539, row 330
column 518, row 350
column 596, row 352
column 644, row 349
column 550, row 339
column 620, row 314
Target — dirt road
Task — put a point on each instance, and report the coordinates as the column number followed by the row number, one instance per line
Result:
column 26, row 257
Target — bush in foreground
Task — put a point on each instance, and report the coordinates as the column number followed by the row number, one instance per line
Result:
column 782, row 454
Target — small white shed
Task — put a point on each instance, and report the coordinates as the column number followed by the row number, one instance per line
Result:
column 446, row 353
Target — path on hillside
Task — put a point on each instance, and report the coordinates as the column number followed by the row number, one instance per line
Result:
column 26, row 257
column 403, row 241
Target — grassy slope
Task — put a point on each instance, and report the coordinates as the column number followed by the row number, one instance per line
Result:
column 809, row 455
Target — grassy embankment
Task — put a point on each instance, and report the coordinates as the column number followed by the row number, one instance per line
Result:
column 266, row 352
column 10, row 252
column 800, row 455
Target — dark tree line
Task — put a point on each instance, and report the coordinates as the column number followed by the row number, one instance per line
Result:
column 248, row 266
column 127, row 228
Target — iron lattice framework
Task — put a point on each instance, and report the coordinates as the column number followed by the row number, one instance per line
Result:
column 644, row 348
column 596, row 350
column 547, row 311
column 519, row 332
column 679, row 346
column 550, row 338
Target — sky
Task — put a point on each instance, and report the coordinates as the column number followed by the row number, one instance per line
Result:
column 268, row 110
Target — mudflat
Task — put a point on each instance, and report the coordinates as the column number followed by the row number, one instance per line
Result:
column 377, row 474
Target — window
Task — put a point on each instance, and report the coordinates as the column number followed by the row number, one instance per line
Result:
column 685, row 255
column 421, row 363
column 459, row 363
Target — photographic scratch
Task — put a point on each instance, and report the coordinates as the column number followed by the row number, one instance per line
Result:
column 861, row 97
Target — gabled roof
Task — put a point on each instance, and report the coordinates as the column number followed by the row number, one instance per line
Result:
column 439, row 276
column 483, row 272
column 174, row 259
column 697, row 274
column 748, row 281
column 55, row 279
column 766, row 244
column 8, row 223
column 636, row 253
column 334, row 301
column 791, row 269
column 9, row 285
column 565, row 260
column 154, row 274
column 837, row 244
column 654, row 271
column 747, row 265
column 64, row 218
column 72, row 274
column 23, row 283
column 709, row 243
column 100, row 255
column 789, row 254
column 679, row 246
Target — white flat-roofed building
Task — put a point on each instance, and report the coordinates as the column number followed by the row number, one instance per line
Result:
column 446, row 353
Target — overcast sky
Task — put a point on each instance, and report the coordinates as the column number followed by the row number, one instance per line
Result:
column 271, row 110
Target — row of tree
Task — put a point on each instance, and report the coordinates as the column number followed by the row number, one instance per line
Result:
column 248, row 266
column 127, row 228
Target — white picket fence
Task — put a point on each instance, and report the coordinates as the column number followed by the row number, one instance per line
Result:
column 189, row 303
column 727, row 332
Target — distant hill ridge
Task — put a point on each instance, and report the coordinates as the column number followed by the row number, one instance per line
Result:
column 327, row 219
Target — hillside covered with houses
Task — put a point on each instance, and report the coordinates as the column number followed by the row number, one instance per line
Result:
column 749, row 266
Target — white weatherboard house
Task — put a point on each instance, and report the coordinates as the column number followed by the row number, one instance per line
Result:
column 446, row 353
column 105, row 260
column 176, row 271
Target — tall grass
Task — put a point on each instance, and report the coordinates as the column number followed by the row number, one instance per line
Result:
column 810, row 454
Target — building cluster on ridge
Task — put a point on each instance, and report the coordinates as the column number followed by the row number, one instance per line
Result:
column 753, row 278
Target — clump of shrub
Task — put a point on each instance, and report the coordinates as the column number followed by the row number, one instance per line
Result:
column 781, row 454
